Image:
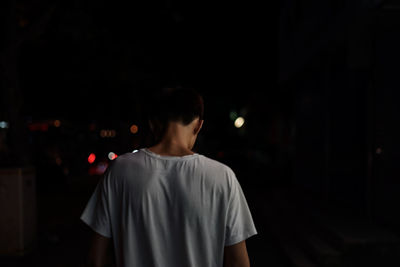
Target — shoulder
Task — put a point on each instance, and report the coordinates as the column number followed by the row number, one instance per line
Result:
column 216, row 168
column 125, row 161
column 122, row 169
column 129, row 157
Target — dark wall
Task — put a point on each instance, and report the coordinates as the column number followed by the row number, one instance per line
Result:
column 339, row 61
column 386, row 168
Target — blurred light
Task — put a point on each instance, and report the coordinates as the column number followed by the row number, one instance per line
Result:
column 101, row 168
column 3, row 124
column 38, row 126
column 233, row 115
column 379, row 151
column 98, row 169
column 112, row 155
column 58, row 161
column 57, row 123
column 91, row 158
column 239, row 122
column 108, row 133
column 134, row 151
column 134, row 128
column 44, row 127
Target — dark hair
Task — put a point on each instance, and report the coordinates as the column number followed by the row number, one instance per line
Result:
column 173, row 105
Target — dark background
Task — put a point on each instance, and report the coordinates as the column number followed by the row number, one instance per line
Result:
column 316, row 82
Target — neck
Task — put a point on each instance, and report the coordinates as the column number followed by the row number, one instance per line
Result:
column 168, row 149
column 176, row 142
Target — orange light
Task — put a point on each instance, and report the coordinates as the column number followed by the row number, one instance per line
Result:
column 57, row 123
column 108, row 133
column 91, row 158
column 134, row 129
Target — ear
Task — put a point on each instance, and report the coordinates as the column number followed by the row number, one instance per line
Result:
column 199, row 124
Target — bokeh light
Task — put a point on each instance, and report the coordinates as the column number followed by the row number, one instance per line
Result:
column 239, row 122
column 134, row 129
column 112, row 156
column 91, row 158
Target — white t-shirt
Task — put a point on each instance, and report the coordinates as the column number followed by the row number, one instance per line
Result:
column 165, row 211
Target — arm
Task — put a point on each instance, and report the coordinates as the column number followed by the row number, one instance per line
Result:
column 236, row 255
column 99, row 251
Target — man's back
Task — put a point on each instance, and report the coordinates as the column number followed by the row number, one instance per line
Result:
column 169, row 211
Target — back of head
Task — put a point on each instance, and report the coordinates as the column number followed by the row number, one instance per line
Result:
column 173, row 105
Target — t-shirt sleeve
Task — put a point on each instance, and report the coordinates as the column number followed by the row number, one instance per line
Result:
column 96, row 213
column 240, row 225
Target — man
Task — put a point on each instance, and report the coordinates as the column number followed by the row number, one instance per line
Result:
column 166, row 206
